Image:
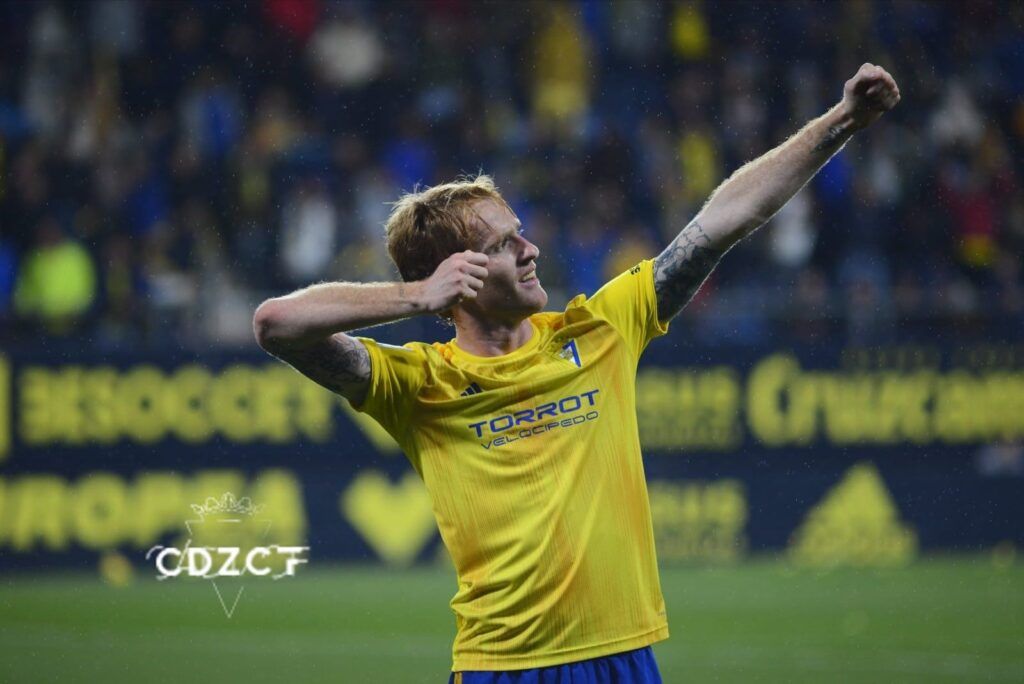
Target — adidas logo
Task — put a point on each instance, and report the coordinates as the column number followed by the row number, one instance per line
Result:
column 856, row 523
column 471, row 390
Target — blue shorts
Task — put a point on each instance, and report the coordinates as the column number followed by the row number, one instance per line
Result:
column 631, row 667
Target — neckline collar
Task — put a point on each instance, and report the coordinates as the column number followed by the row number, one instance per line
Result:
column 528, row 347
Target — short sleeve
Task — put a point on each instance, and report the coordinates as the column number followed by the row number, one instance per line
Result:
column 396, row 376
column 628, row 302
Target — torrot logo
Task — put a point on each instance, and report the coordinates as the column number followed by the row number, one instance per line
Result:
column 224, row 521
column 565, row 412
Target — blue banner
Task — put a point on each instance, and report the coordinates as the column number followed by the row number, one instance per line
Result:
column 856, row 456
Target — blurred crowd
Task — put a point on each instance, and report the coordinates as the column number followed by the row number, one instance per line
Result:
column 166, row 165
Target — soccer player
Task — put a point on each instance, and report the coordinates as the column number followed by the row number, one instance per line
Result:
column 523, row 427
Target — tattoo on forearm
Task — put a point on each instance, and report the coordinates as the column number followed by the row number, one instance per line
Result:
column 340, row 365
column 831, row 139
column 681, row 268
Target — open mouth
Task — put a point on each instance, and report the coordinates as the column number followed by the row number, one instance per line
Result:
column 529, row 277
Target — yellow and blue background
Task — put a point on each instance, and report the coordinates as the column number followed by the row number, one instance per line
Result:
column 818, row 513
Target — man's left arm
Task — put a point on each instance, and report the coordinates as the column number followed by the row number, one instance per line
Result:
column 752, row 195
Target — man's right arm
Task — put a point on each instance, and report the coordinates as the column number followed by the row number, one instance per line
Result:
column 307, row 328
column 304, row 329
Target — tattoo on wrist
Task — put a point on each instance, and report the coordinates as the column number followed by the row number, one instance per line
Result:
column 831, row 139
column 680, row 270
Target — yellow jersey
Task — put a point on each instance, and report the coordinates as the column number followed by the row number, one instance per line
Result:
column 532, row 462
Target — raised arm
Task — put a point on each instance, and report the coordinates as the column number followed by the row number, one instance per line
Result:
column 752, row 195
column 306, row 328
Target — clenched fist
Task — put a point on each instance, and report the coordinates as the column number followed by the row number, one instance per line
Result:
column 870, row 93
column 458, row 277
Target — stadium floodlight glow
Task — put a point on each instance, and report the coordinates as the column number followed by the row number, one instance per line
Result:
column 198, row 561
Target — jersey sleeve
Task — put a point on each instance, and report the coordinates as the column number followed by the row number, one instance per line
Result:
column 628, row 302
column 396, row 376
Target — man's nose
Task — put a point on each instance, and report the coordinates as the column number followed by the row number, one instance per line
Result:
column 530, row 251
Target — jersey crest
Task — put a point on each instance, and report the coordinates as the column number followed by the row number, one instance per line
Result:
column 570, row 353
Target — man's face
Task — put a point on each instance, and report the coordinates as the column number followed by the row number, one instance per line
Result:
column 511, row 287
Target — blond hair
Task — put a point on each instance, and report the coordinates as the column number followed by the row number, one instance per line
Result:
column 428, row 226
